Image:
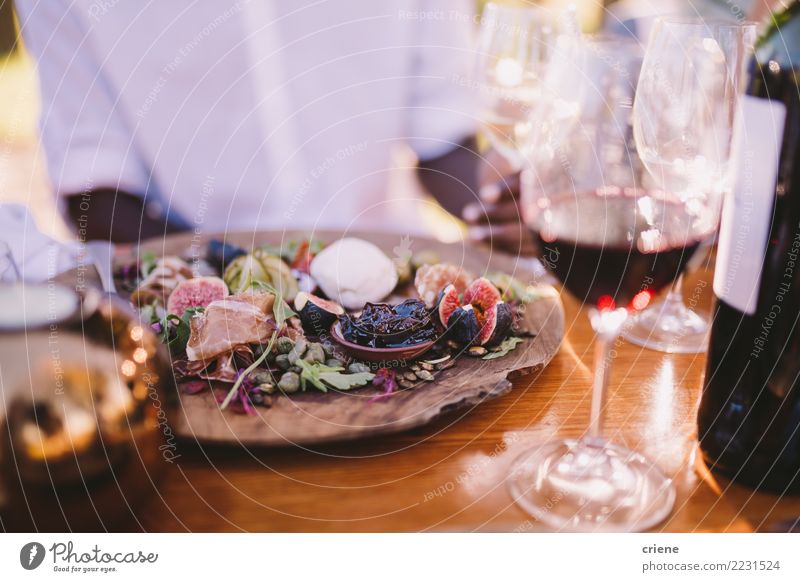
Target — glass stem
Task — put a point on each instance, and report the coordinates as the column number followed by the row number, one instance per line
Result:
column 675, row 295
column 606, row 325
column 602, row 347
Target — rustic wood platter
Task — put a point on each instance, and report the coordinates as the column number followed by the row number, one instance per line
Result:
column 309, row 418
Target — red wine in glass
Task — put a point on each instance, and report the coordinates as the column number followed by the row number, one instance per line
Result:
column 616, row 247
column 612, row 248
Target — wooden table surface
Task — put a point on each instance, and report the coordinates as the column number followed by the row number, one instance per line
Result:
column 450, row 476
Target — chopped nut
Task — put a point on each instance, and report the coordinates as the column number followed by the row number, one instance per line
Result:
column 425, row 375
column 284, row 345
column 357, row 368
column 437, row 360
column 289, row 382
column 445, row 365
column 282, row 361
column 410, row 376
column 426, row 366
column 477, row 351
column 297, row 351
column 314, row 354
column 260, row 376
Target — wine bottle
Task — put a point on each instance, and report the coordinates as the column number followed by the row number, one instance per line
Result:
column 749, row 415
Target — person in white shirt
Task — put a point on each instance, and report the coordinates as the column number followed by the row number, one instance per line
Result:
column 238, row 114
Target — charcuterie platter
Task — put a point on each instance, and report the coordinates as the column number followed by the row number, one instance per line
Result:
column 283, row 337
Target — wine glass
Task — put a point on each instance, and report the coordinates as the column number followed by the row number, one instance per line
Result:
column 688, row 91
column 515, row 47
column 612, row 240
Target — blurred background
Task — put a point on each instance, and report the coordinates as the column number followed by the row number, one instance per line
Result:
column 22, row 167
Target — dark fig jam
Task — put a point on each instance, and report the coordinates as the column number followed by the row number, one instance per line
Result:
column 389, row 326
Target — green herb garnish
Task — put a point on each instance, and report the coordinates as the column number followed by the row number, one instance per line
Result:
column 321, row 376
column 505, row 346
column 280, row 309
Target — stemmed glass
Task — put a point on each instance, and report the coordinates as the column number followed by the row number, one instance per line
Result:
column 691, row 78
column 613, row 240
column 516, row 46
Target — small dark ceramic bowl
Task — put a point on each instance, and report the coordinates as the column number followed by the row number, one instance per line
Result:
column 375, row 355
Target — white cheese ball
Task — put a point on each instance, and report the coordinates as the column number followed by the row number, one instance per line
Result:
column 353, row 272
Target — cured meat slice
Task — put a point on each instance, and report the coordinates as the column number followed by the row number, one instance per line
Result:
column 261, row 299
column 227, row 323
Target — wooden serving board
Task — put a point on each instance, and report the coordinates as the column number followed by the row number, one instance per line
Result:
column 314, row 417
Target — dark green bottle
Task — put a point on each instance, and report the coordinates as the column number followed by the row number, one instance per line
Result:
column 749, row 415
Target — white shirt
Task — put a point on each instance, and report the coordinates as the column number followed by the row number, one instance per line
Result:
column 246, row 114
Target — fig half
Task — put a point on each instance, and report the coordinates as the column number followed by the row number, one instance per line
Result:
column 463, row 326
column 447, row 303
column 316, row 314
column 495, row 324
column 196, row 292
column 482, row 294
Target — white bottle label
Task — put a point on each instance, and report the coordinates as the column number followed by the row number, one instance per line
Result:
column 747, row 211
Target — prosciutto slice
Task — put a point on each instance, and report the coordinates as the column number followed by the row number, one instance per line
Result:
column 228, row 323
column 224, row 367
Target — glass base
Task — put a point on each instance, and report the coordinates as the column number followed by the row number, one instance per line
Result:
column 668, row 326
column 583, row 485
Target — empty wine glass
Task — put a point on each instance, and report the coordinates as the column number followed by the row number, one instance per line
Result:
column 612, row 240
column 515, row 47
column 688, row 91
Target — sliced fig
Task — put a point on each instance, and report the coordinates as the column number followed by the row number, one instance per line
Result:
column 316, row 314
column 482, row 294
column 463, row 326
column 495, row 324
column 197, row 292
column 447, row 303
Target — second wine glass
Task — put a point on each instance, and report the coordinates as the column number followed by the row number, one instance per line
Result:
column 685, row 103
column 516, row 46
